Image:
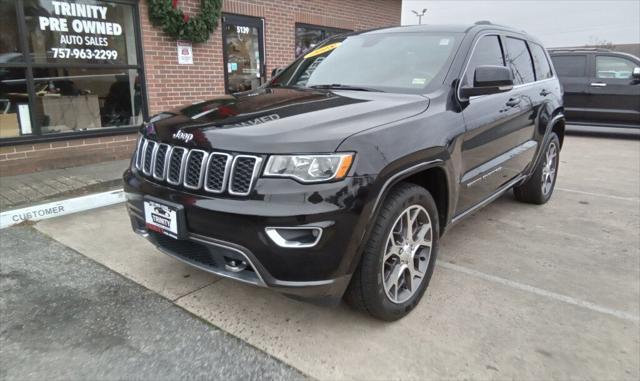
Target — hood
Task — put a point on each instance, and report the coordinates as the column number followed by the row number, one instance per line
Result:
column 281, row 120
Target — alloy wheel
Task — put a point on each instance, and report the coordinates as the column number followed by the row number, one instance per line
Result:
column 407, row 254
column 549, row 168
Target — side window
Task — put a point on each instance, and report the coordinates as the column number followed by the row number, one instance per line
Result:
column 519, row 61
column 570, row 66
column 614, row 67
column 540, row 63
column 488, row 51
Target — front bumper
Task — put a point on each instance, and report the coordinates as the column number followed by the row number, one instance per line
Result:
column 223, row 230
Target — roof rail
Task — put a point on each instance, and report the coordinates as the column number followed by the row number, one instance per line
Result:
column 580, row 49
column 487, row 22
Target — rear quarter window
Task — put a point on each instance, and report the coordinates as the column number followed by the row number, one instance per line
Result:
column 519, row 60
column 540, row 62
column 570, row 65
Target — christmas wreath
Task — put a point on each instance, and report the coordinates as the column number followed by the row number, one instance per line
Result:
column 181, row 26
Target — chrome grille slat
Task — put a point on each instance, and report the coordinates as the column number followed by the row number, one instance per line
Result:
column 243, row 174
column 148, row 154
column 195, row 167
column 175, row 170
column 217, row 174
column 160, row 161
column 213, row 172
column 139, row 150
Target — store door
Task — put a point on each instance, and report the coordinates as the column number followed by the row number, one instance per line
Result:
column 243, row 41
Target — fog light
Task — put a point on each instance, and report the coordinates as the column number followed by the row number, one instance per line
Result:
column 294, row 237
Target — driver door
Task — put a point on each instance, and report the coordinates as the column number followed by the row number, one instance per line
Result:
column 495, row 125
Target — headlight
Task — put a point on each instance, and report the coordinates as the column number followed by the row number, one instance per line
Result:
column 310, row 168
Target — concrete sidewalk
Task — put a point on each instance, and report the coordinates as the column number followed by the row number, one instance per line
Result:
column 65, row 317
column 20, row 190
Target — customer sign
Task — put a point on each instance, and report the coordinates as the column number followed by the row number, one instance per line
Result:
column 80, row 31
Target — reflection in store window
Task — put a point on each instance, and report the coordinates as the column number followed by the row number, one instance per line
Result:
column 83, row 74
column 308, row 36
column 242, row 44
column 14, row 103
column 9, row 44
column 73, row 99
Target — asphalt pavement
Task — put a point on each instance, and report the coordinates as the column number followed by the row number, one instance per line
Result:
column 65, row 317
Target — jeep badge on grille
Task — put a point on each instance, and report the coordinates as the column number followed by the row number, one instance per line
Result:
column 184, row 136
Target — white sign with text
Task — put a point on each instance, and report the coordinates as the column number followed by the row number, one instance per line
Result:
column 83, row 31
column 185, row 53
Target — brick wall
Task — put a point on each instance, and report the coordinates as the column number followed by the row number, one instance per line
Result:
column 170, row 84
column 27, row 158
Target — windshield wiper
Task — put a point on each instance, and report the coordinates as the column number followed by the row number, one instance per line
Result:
column 338, row 86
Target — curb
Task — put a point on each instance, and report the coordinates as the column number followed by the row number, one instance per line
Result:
column 60, row 208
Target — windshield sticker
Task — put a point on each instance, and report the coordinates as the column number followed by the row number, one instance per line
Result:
column 419, row 81
column 323, row 49
column 444, row 41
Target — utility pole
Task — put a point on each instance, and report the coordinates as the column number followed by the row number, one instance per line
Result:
column 424, row 10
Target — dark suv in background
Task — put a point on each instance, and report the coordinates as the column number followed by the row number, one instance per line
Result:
column 340, row 175
column 601, row 87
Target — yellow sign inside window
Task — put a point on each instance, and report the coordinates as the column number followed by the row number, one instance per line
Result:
column 321, row 50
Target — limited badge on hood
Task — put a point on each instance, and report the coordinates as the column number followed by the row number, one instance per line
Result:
column 184, row 136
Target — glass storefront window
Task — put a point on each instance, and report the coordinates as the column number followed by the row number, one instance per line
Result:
column 80, row 72
column 84, row 99
column 308, row 36
column 80, row 31
column 10, row 51
column 14, row 103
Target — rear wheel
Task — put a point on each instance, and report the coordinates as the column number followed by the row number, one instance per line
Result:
column 539, row 187
column 397, row 263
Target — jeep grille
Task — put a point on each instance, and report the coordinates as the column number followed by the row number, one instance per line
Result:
column 213, row 172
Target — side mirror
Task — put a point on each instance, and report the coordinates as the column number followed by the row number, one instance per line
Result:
column 276, row 71
column 489, row 79
column 636, row 73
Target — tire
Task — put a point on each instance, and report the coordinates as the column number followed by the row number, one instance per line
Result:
column 539, row 187
column 375, row 287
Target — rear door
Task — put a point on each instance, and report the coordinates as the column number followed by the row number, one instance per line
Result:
column 497, row 126
column 614, row 93
column 574, row 74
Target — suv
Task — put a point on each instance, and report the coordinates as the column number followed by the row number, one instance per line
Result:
column 341, row 174
column 601, row 87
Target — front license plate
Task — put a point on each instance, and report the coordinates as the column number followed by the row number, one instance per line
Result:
column 161, row 218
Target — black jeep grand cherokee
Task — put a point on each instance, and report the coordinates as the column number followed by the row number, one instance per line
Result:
column 340, row 175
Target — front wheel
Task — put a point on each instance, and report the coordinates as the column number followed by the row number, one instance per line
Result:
column 398, row 261
column 539, row 187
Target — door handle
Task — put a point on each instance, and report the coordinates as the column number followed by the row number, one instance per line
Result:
column 545, row 92
column 513, row 102
column 598, row 84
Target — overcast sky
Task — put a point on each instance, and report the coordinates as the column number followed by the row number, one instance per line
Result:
column 555, row 22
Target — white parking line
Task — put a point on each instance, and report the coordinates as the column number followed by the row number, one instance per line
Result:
column 538, row 291
column 599, row 194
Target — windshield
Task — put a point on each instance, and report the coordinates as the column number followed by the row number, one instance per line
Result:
column 395, row 62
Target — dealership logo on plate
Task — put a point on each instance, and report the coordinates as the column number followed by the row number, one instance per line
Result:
column 184, row 136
